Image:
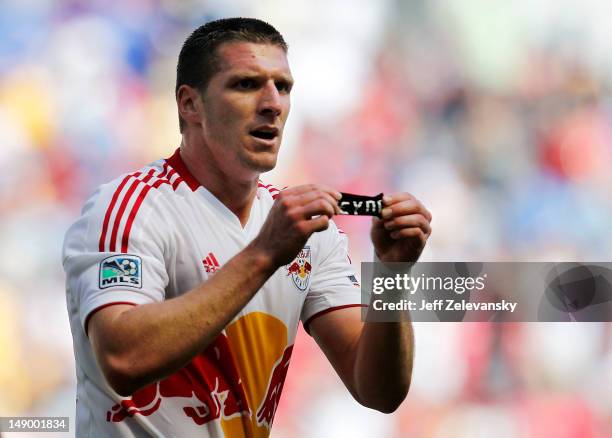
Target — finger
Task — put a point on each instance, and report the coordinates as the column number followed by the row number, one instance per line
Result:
column 299, row 190
column 402, row 209
column 406, row 233
column 406, row 208
column 311, row 196
column 409, row 221
column 333, row 193
column 333, row 200
column 319, row 206
column 399, row 201
column 426, row 212
column 318, row 223
column 394, row 198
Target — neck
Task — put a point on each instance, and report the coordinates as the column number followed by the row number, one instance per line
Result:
column 236, row 194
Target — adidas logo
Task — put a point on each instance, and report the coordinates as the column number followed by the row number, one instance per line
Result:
column 210, row 263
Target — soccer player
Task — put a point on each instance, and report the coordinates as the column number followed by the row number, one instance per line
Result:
column 186, row 280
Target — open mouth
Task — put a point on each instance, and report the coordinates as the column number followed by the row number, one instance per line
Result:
column 264, row 133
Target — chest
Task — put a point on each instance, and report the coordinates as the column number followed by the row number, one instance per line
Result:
column 204, row 240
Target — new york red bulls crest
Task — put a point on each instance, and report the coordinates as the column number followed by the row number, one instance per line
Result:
column 300, row 269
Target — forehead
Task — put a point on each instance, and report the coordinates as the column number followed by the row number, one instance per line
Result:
column 252, row 57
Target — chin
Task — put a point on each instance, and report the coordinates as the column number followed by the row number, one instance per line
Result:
column 264, row 162
column 264, row 167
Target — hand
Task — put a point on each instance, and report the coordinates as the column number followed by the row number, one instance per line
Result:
column 297, row 213
column 403, row 231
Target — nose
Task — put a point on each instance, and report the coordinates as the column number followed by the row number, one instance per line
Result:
column 270, row 101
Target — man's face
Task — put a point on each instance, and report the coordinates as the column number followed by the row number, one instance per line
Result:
column 246, row 105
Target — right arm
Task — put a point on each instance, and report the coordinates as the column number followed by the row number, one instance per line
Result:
column 136, row 346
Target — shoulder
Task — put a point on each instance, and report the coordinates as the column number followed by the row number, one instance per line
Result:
column 115, row 208
column 123, row 188
column 332, row 236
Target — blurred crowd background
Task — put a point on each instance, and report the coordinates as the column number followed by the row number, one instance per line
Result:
column 496, row 114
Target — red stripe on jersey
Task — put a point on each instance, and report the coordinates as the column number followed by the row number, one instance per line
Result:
column 176, row 162
column 163, row 178
column 326, row 311
column 149, row 175
column 158, row 183
column 164, row 171
column 110, row 208
column 141, row 196
column 128, row 225
column 122, row 207
column 214, row 259
column 270, row 188
column 176, row 183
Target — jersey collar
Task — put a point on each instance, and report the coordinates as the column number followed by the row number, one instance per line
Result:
column 177, row 163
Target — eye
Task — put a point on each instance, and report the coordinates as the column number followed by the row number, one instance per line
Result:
column 245, row 84
column 283, row 86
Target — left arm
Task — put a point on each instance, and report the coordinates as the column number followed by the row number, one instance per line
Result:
column 374, row 359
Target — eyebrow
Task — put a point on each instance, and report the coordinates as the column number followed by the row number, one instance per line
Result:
column 256, row 75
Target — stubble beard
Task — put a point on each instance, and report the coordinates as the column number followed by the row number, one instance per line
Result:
column 257, row 164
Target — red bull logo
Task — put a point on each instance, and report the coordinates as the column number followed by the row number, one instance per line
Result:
column 209, row 385
column 245, row 368
column 300, row 269
column 267, row 408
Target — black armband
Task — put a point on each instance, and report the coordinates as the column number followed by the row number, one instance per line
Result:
column 359, row 205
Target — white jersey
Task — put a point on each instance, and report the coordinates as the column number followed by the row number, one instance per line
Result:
column 155, row 234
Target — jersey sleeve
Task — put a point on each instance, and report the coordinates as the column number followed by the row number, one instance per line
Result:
column 334, row 284
column 114, row 255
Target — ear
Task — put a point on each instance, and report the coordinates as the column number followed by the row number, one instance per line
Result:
column 189, row 103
